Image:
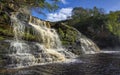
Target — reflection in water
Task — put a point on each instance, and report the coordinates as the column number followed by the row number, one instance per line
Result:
column 94, row 64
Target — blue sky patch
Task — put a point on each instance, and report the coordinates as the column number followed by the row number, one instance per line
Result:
column 66, row 7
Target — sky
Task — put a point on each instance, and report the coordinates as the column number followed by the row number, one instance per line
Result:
column 66, row 7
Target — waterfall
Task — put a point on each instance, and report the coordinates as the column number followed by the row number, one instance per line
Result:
column 88, row 46
column 49, row 36
column 48, row 49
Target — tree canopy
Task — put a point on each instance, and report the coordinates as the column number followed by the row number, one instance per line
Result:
column 92, row 20
column 96, row 24
column 95, row 21
column 16, row 4
column 113, row 23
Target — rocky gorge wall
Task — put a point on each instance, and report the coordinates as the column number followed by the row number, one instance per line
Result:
column 71, row 39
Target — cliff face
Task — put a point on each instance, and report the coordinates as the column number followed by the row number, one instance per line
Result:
column 71, row 39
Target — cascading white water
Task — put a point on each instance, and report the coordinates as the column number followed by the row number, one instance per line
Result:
column 48, row 49
column 88, row 46
column 49, row 39
column 45, row 35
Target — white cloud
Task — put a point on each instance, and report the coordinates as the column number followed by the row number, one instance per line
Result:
column 63, row 1
column 61, row 15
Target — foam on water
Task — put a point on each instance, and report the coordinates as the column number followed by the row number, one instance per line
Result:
column 109, row 52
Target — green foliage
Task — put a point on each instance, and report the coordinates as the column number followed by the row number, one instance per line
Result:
column 61, row 33
column 4, row 18
column 97, row 25
column 5, row 31
column 67, row 34
column 88, row 21
column 16, row 4
column 82, row 18
column 28, row 36
column 95, row 21
column 8, row 6
column 113, row 23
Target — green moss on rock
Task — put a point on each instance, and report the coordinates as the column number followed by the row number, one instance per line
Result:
column 66, row 33
column 1, row 38
column 30, row 37
column 5, row 30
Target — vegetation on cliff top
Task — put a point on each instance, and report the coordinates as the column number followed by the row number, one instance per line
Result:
column 103, row 28
column 17, row 4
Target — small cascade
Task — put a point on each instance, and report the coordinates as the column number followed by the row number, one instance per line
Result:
column 48, row 49
column 88, row 46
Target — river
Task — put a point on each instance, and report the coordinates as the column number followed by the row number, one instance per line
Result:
column 87, row 64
